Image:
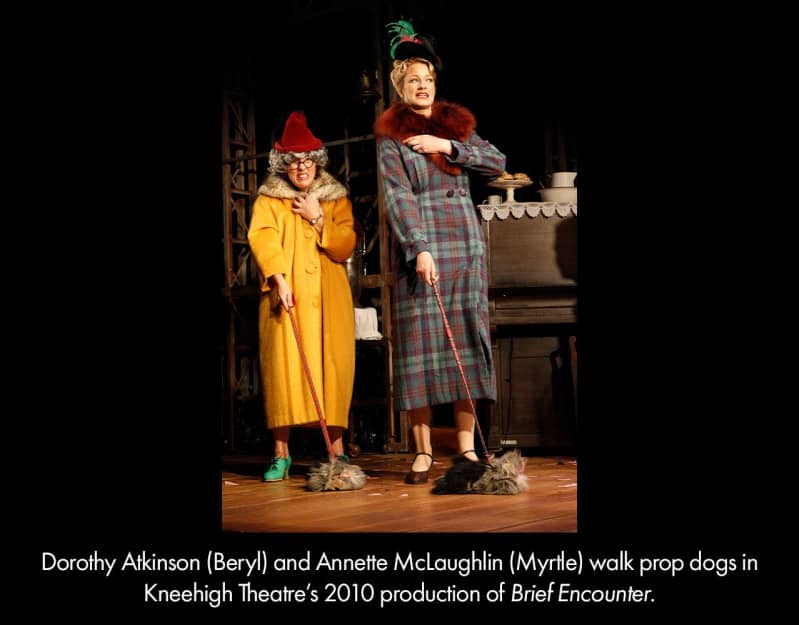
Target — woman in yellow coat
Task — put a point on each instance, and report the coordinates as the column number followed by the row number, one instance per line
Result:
column 301, row 234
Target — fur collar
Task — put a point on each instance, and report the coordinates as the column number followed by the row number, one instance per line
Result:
column 324, row 187
column 448, row 121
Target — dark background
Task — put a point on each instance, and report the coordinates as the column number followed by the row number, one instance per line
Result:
column 497, row 66
column 116, row 387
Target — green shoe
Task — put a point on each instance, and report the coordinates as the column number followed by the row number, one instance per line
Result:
column 278, row 470
column 343, row 458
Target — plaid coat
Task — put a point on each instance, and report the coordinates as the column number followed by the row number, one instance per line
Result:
column 430, row 209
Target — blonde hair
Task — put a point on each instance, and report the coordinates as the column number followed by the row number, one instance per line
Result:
column 401, row 68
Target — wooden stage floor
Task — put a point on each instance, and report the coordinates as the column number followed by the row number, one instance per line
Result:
column 387, row 504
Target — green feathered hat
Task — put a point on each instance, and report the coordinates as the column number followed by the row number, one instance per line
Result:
column 407, row 43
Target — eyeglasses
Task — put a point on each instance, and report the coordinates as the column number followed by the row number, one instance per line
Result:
column 305, row 162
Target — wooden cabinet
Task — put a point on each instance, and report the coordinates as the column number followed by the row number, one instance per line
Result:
column 532, row 252
column 535, row 406
column 532, row 268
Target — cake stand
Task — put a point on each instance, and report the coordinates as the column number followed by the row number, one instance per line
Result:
column 509, row 186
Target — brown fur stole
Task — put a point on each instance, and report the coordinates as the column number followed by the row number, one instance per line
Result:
column 448, row 121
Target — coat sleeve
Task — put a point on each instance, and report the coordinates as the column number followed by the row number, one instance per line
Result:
column 479, row 155
column 264, row 237
column 401, row 203
column 338, row 232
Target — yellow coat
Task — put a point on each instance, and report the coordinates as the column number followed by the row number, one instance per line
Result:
column 313, row 264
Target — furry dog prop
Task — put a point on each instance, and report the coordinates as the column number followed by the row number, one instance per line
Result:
column 338, row 475
column 499, row 476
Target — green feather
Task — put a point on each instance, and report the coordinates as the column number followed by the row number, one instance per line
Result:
column 400, row 29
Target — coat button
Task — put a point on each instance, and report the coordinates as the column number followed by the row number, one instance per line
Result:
column 462, row 191
column 450, row 193
column 311, row 268
column 309, row 232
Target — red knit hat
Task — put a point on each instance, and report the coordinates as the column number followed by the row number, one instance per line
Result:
column 296, row 136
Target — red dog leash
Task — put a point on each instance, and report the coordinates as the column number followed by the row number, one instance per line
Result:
column 307, row 369
column 460, row 368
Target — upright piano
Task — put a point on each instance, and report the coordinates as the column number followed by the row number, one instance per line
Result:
column 532, row 273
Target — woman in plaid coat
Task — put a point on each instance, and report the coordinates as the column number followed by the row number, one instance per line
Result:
column 425, row 149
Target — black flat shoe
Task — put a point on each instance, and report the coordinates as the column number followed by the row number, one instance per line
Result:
column 463, row 453
column 419, row 477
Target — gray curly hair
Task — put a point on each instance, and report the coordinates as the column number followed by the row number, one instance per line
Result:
column 280, row 161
